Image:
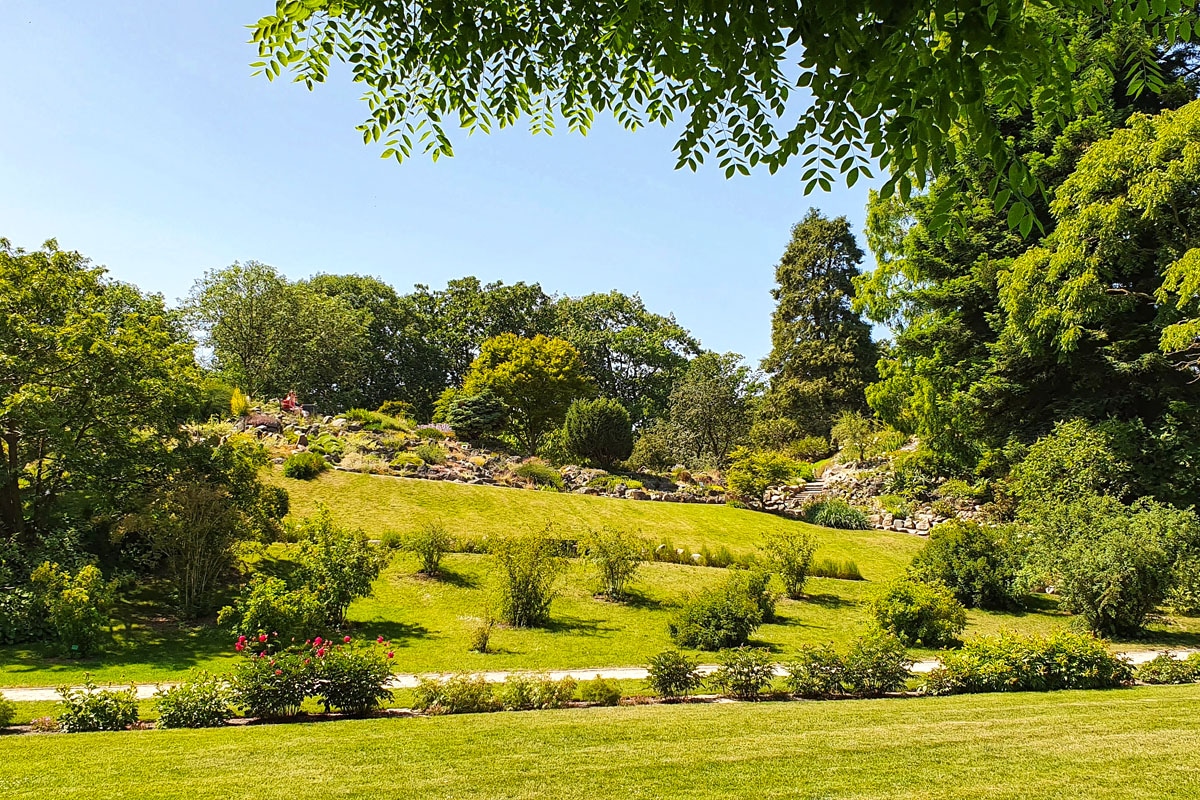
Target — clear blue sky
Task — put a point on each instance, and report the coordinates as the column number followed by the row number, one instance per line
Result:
column 135, row 134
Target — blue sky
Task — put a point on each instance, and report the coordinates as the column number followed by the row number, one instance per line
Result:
column 135, row 134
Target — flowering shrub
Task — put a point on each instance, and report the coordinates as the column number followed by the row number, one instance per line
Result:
column 528, row 692
column 816, row 672
column 202, row 702
column 91, row 708
column 458, row 694
column 744, row 672
column 353, row 678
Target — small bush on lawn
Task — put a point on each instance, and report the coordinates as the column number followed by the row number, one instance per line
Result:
column 353, row 678
column 840, row 569
column 790, row 555
column 1165, row 669
column 817, row 671
column 717, row 618
column 431, row 453
column 429, row 543
column 976, row 562
column 600, row 691
column 835, row 514
column 268, row 606
column 744, row 672
column 616, row 557
column 530, row 692
column 481, row 635
column 203, row 701
column 539, row 474
column 91, row 708
column 920, row 613
column 8, row 711
column 756, row 582
column 529, row 567
column 304, row 466
column 875, row 664
column 337, row 564
column 458, row 694
column 1013, row 663
column 672, row 674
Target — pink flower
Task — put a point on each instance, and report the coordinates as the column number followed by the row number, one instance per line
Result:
column 242, row 638
column 317, row 641
column 263, row 654
column 278, row 672
column 390, row 654
column 308, row 641
column 321, row 653
column 239, row 647
column 346, row 640
column 380, row 640
column 308, row 661
column 262, row 637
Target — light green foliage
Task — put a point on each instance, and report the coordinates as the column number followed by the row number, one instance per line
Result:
column 751, row 473
column 822, row 356
column 539, row 474
column 458, row 694
column 673, row 674
column 76, row 605
column 1167, row 669
column 201, row 701
column 744, row 672
column 1076, row 460
column 431, row 453
column 919, row 613
column 1012, row 663
column 871, row 665
column 1184, row 595
column 978, row 563
column 616, row 556
column 600, row 691
column 654, row 448
column 337, row 564
column 598, row 431
column 853, row 433
column 8, row 710
column 710, row 409
column 268, row 606
column 304, row 466
column 537, row 379
column 404, row 461
column 836, row 513
column 528, row 569
column 841, row 569
column 239, row 404
column 429, row 542
column 375, row 420
column 90, row 708
column 397, row 409
column 790, row 555
column 530, row 692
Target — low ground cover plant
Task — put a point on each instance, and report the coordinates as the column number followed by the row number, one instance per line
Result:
column 1013, row 663
column 90, row 708
column 744, row 672
column 202, row 701
column 919, row 612
column 431, row 453
column 304, row 466
column 539, row 474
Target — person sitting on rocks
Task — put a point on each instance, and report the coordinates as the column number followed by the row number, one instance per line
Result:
column 291, row 404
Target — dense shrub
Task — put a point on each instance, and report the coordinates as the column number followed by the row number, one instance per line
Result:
column 841, row 569
column 751, row 473
column 22, row 617
column 717, row 618
column 616, row 556
column 353, row 678
column 304, row 466
column 458, row 694
column 1167, row 669
column 539, row 474
column 978, row 564
column 530, row 692
column 1182, row 598
column 672, row 674
column 337, row 564
column 817, row 671
column 756, row 583
column 429, row 543
column 8, row 711
column 397, row 409
column 477, row 416
column 267, row 605
column 1078, row 459
column 431, row 453
column 790, row 554
column 90, row 708
column 744, row 672
column 600, row 691
column 405, row 461
column 919, row 613
column 202, row 701
column 809, row 448
column 431, row 433
column 529, row 567
column 598, row 430
column 835, row 513
column 654, row 449
column 875, row 664
column 1012, row 663
column 239, row 404
column 76, row 606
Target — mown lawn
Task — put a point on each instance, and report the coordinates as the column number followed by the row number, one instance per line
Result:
column 1136, row 744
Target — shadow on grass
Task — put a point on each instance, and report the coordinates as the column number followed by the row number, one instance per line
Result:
column 399, row 634
column 829, row 601
column 577, row 626
column 635, row 599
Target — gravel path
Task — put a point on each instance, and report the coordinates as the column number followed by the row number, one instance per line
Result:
column 409, row 681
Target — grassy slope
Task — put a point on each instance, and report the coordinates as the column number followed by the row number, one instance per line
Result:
column 1134, row 744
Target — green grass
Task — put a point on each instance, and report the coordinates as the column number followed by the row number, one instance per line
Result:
column 1135, row 744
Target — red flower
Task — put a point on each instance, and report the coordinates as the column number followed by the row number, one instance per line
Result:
column 380, row 640
column 239, row 647
column 308, row 641
column 278, row 672
column 242, row 638
column 308, row 661
column 390, row 654
column 263, row 654
column 262, row 637
column 321, row 653
column 317, row 641
column 346, row 640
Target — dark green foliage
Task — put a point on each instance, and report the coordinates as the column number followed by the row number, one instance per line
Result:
column 744, row 672
column 90, row 708
column 22, row 617
column 352, row 678
column 717, row 618
column 756, row 583
column 872, row 665
column 600, row 691
column 528, row 569
column 836, row 513
column 672, row 674
column 1167, row 669
column 539, row 474
column 1076, row 460
column 653, row 449
column 304, row 466
column 919, row 613
column 433, row 434
column 598, row 431
column 477, row 416
column 1013, row 663
column 815, row 672
column 275, row 683
column 201, row 701
column 710, row 409
column 431, row 453
column 978, row 563
column 458, row 694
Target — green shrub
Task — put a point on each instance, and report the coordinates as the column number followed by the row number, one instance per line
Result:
column 1013, row 663
column 744, row 672
column 76, row 606
column 1167, row 669
column 339, row 565
column 841, row 569
column 404, row 461
column 1183, row 597
column 90, row 708
column 8, row 710
column 751, row 473
column 616, row 557
column 717, row 618
column 304, row 466
column 609, row 483
column 654, row 449
column 366, row 464
column 353, row 678
column 816, row 672
column 397, row 409
column 326, row 444
column 875, row 664
column 434, row 434
column 600, row 691
column 273, row 681
column 203, row 701
column 790, row 554
column 268, row 606
column 431, row 453
column 539, row 474
column 957, row 489
column 23, row 617
column 672, row 674
column 835, row 513
column 458, row 694
column 375, row 420
column 429, row 543
column 978, row 564
column 919, row 613
column 530, row 692
column 896, row 505
column 809, row 448
column 477, row 416
column 598, row 430
column 529, row 567
column 756, row 583
column 481, row 635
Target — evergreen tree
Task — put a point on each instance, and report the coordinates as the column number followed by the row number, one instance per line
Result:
column 822, row 356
